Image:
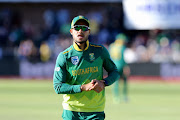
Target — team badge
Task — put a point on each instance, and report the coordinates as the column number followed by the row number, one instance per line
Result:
column 91, row 56
column 75, row 60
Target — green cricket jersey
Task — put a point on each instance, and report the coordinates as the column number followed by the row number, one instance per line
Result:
column 75, row 67
column 116, row 51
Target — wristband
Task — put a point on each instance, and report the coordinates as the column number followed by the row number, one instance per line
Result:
column 105, row 82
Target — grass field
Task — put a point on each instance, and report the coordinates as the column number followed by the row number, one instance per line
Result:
column 36, row 100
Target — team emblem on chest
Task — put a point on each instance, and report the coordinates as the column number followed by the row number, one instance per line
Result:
column 75, row 60
column 91, row 56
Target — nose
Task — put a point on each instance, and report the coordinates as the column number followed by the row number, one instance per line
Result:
column 80, row 30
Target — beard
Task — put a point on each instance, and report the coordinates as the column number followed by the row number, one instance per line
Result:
column 81, row 42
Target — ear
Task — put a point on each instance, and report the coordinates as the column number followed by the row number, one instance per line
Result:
column 89, row 32
column 71, row 30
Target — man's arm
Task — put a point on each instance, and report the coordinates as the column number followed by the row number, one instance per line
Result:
column 59, row 79
column 110, row 67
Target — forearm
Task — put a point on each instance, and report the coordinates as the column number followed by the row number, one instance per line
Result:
column 64, row 88
column 112, row 77
column 110, row 67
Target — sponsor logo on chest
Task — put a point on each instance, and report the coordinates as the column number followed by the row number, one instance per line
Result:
column 75, row 60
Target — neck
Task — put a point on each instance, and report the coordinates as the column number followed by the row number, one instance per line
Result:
column 81, row 45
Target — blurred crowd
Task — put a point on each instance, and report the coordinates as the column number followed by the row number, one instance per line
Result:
column 157, row 46
column 25, row 41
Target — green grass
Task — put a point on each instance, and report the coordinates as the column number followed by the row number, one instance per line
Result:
column 36, row 100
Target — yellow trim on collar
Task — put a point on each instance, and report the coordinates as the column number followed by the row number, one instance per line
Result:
column 76, row 47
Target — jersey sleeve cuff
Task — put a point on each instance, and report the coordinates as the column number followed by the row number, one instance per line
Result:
column 105, row 82
column 77, row 88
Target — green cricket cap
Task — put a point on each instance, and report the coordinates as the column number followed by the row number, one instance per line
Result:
column 122, row 37
column 80, row 17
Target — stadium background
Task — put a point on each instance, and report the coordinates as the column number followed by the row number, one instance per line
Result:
column 32, row 33
column 44, row 25
column 27, row 28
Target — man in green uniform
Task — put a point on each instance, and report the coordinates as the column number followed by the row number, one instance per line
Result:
column 78, row 75
column 116, row 51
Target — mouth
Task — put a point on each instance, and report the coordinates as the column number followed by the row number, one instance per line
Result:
column 80, row 36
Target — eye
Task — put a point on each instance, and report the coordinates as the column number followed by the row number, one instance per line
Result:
column 77, row 28
column 82, row 27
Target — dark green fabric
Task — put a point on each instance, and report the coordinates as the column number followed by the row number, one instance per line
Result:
column 71, row 115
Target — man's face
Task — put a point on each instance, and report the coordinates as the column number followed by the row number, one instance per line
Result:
column 80, row 36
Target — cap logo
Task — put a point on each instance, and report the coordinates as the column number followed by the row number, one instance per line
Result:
column 80, row 17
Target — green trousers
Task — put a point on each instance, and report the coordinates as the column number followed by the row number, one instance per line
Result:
column 72, row 115
column 116, row 89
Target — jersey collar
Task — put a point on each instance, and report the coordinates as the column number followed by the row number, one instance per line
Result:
column 76, row 47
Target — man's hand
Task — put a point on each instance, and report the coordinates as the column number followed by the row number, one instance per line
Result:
column 98, row 85
column 87, row 87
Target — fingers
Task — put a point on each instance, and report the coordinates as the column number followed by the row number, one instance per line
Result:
column 96, row 85
column 87, row 87
column 93, row 81
column 92, row 87
column 99, row 86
